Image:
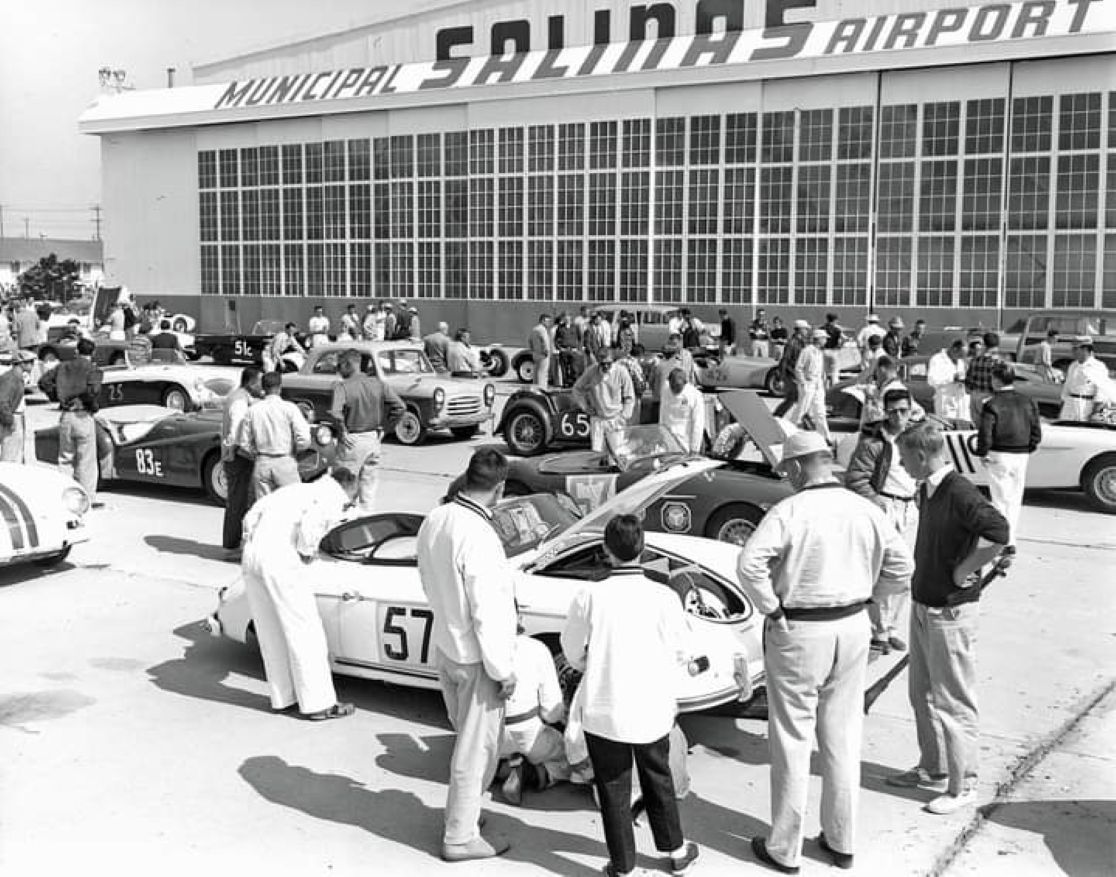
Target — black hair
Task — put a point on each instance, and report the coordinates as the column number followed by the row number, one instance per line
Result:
column 623, row 536
column 991, row 339
column 272, row 381
column 487, row 468
column 899, row 394
column 249, row 374
column 85, row 347
column 1003, row 372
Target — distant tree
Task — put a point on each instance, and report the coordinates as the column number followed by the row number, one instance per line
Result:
column 51, row 278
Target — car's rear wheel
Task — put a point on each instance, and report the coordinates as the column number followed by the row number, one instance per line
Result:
column 734, row 524
column 464, row 432
column 409, row 429
column 525, row 433
column 525, row 369
column 499, row 363
column 775, row 382
column 180, row 325
column 53, row 559
column 176, row 397
column 214, row 480
column 1099, row 483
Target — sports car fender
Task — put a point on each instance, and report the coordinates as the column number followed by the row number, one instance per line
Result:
column 540, row 403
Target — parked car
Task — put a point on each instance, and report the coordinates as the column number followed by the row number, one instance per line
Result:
column 180, row 387
column 433, row 401
column 247, row 348
column 150, row 444
column 378, row 621
column 1099, row 325
column 42, row 512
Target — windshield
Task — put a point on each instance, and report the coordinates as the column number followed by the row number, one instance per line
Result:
column 267, row 327
column 632, row 445
column 523, row 522
column 403, row 362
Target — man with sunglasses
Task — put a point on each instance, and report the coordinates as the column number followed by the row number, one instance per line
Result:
column 606, row 394
column 875, row 473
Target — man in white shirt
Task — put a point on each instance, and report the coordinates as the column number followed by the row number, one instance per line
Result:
column 606, row 394
column 871, row 327
column 628, row 636
column 281, row 536
column 811, row 567
column 945, row 372
column 1044, row 361
column 350, row 323
column 282, row 342
column 541, row 346
column 235, row 458
column 373, row 326
column 682, row 411
column 468, row 581
column 318, row 327
column 1085, row 374
column 274, row 431
column 809, row 372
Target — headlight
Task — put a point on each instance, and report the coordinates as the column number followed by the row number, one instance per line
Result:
column 75, row 501
column 323, row 434
column 439, row 397
column 489, row 394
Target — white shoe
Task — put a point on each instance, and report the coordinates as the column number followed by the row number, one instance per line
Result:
column 943, row 805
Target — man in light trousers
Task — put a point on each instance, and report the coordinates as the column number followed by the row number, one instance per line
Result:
column 468, row 581
column 607, row 395
column 810, row 567
column 274, row 431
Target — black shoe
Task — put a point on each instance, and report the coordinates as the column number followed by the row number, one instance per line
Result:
column 682, row 864
column 841, row 860
column 759, row 850
column 880, row 645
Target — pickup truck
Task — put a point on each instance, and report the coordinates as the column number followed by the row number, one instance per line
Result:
column 433, row 401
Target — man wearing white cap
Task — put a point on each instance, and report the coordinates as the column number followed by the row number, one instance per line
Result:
column 12, row 407
column 871, row 327
column 816, row 642
column 809, row 373
column 1084, row 376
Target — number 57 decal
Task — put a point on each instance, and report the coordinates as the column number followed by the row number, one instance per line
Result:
column 403, row 629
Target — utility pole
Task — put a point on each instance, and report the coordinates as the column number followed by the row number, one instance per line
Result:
column 96, row 208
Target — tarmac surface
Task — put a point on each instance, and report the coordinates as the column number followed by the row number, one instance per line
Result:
column 133, row 742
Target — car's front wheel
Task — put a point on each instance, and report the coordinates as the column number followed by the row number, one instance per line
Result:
column 214, row 480
column 176, row 397
column 498, row 363
column 1099, row 483
column 734, row 524
column 180, row 325
column 525, row 369
column 775, row 382
column 53, row 559
column 409, row 430
column 525, row 433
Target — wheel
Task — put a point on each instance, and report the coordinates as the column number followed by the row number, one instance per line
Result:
column 525, row 370
column 409, row 430
column 180, row 325
column 500, row 363
column 465, row 432
column 734, row 524
column 729, row 442
column 192, row 354
column 775, row 382
column 1099, row 483
column 525, row 433
column 213, row 479
column 53, row 559
column 177, row 398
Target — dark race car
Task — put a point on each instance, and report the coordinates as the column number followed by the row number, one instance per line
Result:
column 718, row 499
column 155, row 445
column 246, row 348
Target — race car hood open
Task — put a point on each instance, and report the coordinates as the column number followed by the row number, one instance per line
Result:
column 752, row 414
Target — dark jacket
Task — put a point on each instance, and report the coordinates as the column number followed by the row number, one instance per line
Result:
column 11, row 394
column 891, row 344
column 1009, row 422
column 870, row 463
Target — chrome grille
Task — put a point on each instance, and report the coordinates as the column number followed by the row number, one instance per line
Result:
column 463, row 406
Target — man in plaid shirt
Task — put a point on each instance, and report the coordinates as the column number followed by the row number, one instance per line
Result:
column 978, row 379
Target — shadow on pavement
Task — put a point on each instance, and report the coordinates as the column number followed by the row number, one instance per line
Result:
column 401, row 817
column 1081, row 835
column 179, row 545
column 29, row 572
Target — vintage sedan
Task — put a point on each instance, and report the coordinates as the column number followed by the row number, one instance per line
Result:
column 378, row 621
column 433, row 401
column 180, row 387
column 150, row 444
column 722, row 499
column 41, row 515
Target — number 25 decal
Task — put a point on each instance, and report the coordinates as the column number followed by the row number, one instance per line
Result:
column 115, row 392
column 400, row 651
column 573, row 424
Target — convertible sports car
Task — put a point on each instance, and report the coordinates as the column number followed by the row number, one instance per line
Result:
column 247, row 348
column 378, row 621
column 155, row 445
column 180, row 387
column 720, row 499
column 41, row 512
column 715, row 371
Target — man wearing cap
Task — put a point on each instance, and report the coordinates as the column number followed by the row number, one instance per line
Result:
column 788, row 364
column 12, row 407
column 607, row 395
column 416, row 324
column 871, row 327
column 674, row 357
column 809, row 374
column 816, row 642
column 1084, row 376
column 893, row 338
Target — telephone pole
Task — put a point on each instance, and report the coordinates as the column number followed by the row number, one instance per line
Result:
column 96, row 208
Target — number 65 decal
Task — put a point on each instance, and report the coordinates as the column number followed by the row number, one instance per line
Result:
column 400, row 649
column 573, row 425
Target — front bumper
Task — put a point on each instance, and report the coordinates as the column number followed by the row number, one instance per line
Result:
column 452, row 421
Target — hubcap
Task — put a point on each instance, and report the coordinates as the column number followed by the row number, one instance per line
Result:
column 408, row 428
column 177, row 401
column 736, row 531
column 526, row 432
column 1105, row 482
column 220, row 481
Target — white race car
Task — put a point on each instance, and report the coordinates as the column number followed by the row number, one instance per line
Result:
column 378, row 621
column 41, row 512
column 179, row 386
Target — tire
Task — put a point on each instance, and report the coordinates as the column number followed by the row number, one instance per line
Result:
column 499, row 363
column 465, row 433
column 177, row 398
column 53, row 559
column 775, row 382
column 180, row 325
column 733, row 524
column 525, row 433
column 1099, row 483
column 525, row 370
column 213, row 479
column 729, row 442
column 409, row 430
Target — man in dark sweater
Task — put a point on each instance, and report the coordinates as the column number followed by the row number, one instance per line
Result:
column 1009, row 431
column 958, row 532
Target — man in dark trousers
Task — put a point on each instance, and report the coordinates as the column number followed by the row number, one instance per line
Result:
column 728, row 333
column 959, row 531
column 978, row 378
column 236, row 459
column 78, row 384
column 793, row 349
column 1009, row 431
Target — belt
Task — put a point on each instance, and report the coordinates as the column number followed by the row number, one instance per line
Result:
column 375, row 431
column 262, row 454
column 822, row 613
column 519, row 718
column 1081, row 396
column 896, row 496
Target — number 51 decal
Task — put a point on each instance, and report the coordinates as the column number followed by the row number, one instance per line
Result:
column 403, row 629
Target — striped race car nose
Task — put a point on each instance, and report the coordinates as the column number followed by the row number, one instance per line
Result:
column 18, row 519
